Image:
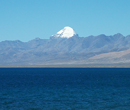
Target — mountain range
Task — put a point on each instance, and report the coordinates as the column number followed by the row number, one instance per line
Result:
column 66, row 48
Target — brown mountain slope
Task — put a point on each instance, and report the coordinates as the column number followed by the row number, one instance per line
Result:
column 112, row 57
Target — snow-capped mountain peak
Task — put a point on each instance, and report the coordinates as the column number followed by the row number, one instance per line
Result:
column 66, row 32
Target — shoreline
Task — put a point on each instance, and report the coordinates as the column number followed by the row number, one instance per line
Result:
column 68, row 66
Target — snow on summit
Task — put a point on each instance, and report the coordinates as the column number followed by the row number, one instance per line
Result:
column 66, row 32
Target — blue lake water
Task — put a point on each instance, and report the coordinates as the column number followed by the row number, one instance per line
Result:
column 64, row 89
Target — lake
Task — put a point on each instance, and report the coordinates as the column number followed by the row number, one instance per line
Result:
column 64, row 88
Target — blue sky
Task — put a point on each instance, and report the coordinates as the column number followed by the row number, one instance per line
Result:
column 28, row 19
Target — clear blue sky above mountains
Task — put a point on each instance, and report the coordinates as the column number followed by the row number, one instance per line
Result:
column 27, row 19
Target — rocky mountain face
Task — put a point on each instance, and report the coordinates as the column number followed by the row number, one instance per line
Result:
column 67, row 48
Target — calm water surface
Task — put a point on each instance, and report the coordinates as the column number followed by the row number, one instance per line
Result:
column 64, row 89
